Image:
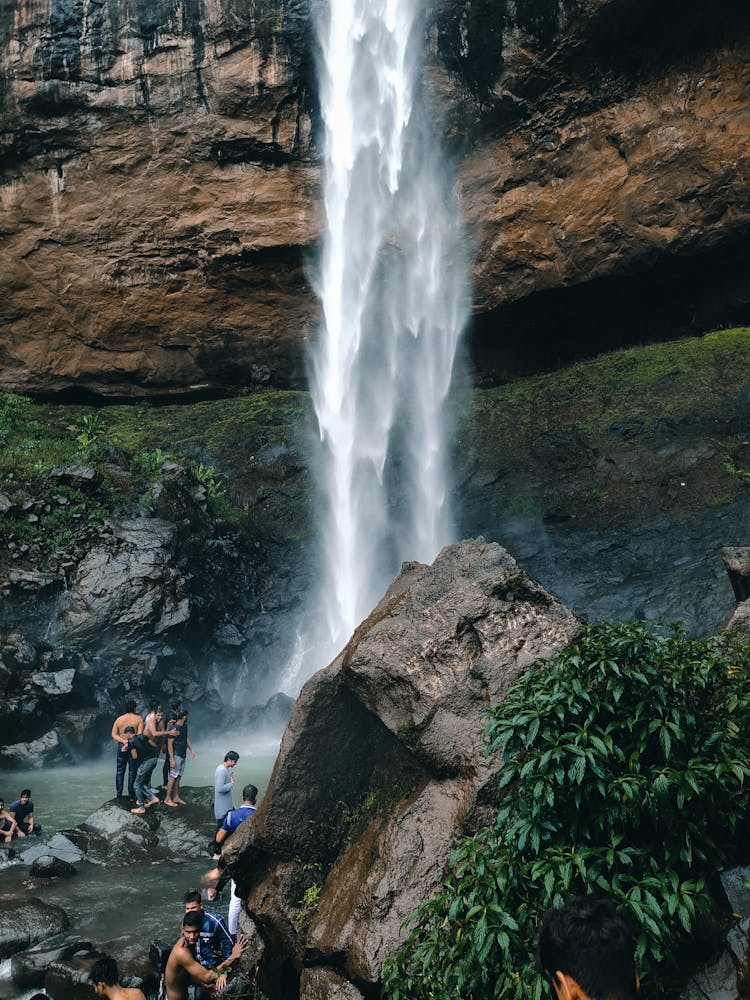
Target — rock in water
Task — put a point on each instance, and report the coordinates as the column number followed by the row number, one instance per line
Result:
column 26, row 922
column 381, row 767
column 28, row 967
column 49, row 866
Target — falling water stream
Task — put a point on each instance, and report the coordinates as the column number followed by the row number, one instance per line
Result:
column 393, row 288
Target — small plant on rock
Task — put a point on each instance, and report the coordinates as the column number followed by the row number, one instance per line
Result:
column 90, row 436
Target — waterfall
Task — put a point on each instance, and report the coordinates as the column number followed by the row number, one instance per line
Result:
column 393, row 287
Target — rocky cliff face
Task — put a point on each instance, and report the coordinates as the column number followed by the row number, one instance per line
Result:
column 159, row 189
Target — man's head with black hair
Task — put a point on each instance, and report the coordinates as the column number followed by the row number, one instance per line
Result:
column 104, row 973
column 193, row 900
column 191, row 927
column 249, row 794
column 585, row 949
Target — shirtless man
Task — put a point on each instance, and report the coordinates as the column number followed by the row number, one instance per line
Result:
column 183, row 968
column 106, row 982
column 129, row 718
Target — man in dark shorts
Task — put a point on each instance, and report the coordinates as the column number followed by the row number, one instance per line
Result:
column 177, row 751
column 184, row 969
column 22, row 811
column 585, row 949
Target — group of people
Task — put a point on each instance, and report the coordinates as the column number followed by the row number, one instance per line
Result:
column 208, row 945
column 140, row 745
column 202, row 957
column 228, row 819
column 18, row 819
column 584, row 949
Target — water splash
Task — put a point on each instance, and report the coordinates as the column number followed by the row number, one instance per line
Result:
column 393, row 289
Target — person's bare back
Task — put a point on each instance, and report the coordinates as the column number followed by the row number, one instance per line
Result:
column 126, row 993
column 122, row 721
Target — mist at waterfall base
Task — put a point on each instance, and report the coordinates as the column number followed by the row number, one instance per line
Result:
column 393, row 284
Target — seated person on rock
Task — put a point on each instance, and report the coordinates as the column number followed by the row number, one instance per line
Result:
column 22, row 811
column 106, row 982
column 585, row 949
column 8, row 825
column 183, row 969
column 214, row 942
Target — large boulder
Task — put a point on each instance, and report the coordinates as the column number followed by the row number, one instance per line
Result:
column 128, row 584
column 67, row 977
column 381, row 768
column 26, row 922
column 50, row 866
column 29, row 967
column 113, row 835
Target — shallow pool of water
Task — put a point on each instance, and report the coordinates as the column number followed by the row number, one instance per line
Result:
column 121, row 909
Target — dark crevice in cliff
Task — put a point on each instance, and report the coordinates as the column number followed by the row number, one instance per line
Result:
column 677, row 296
column 249, row 151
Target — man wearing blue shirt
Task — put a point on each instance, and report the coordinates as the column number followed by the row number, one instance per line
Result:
column 231, row 821
column 214, row 942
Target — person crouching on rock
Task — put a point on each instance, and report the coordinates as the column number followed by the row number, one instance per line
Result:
column 184, row 969
column 145, row 752
column 145, row 748
column 22, row 811
column 8, row 825
column 106, row 982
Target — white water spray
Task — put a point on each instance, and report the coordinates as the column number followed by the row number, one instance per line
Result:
column 394, row 294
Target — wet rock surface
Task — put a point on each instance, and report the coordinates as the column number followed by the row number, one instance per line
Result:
column 27, row 922
column 394, row 720
column 113, row 835
column 67, row 978
column 51, row 866
column 138, row 605
column 28, row 968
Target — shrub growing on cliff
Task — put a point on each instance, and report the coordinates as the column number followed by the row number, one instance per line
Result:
column 627, row 760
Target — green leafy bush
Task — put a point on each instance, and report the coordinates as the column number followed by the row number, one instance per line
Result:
column 626, row 759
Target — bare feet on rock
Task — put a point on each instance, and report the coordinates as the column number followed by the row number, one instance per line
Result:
column 139, row 810
column 181, row 802
column 151, row 802
column 169, row 802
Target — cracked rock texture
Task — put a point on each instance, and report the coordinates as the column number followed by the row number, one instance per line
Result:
column 160, row 187
column 381, row 767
